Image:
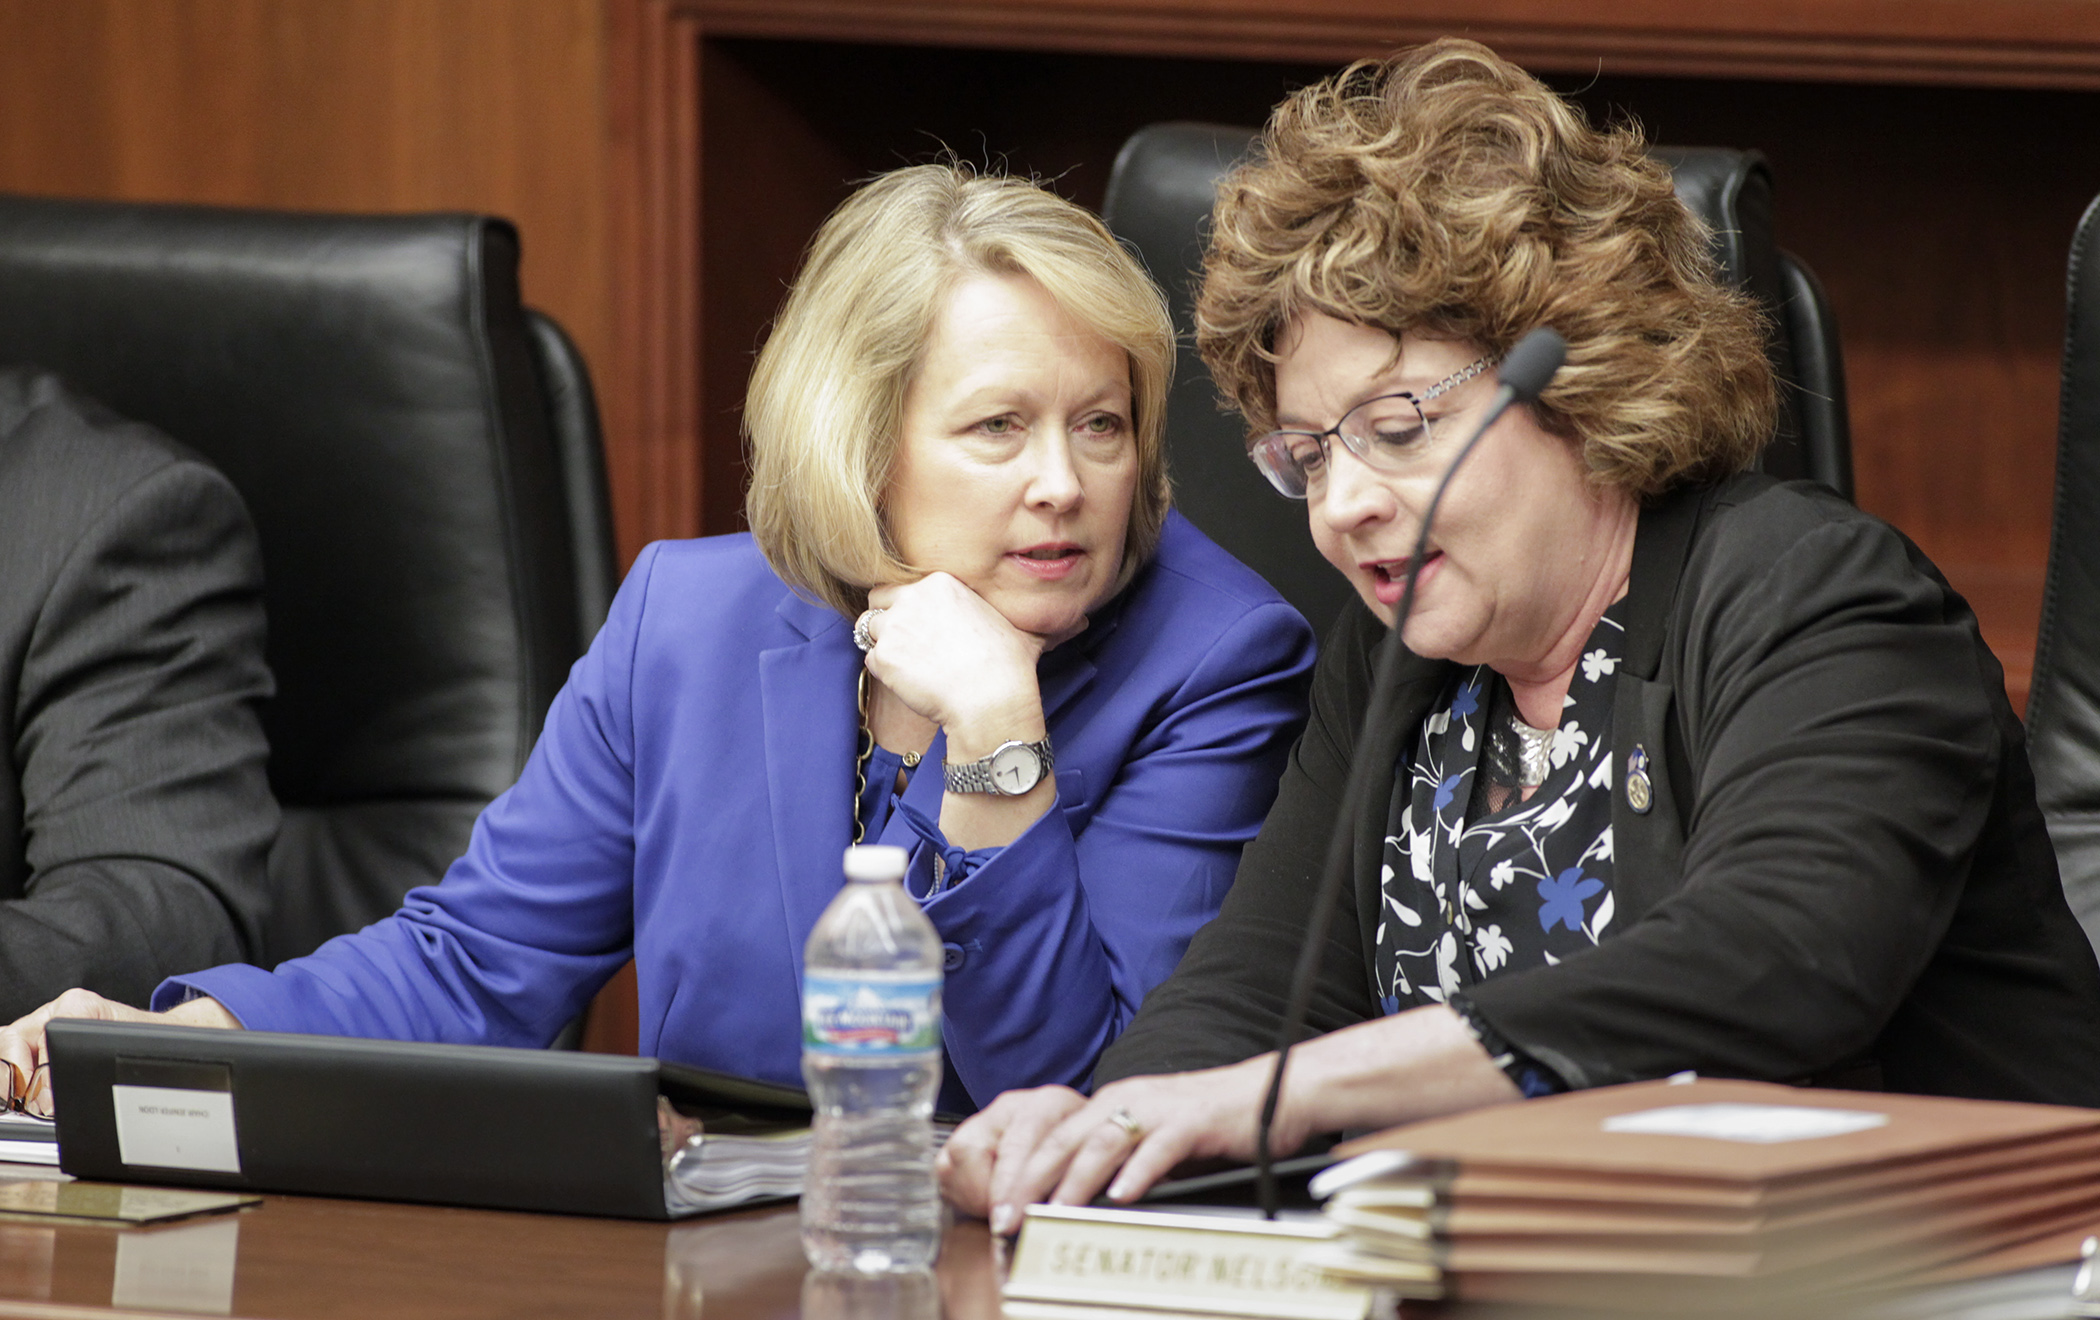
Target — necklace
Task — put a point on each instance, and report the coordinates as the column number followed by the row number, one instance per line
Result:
column 866, row 752
column 1534, row 752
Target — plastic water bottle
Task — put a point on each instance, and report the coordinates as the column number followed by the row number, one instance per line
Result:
column 871, row 1056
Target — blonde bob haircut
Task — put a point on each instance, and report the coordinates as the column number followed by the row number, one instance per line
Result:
column 826, row 403
column 1448, row 193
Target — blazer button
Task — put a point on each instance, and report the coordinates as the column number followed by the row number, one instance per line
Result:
column 952, row 957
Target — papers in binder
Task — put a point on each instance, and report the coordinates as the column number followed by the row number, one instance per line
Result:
column 27, row 1140
column 717, row 1159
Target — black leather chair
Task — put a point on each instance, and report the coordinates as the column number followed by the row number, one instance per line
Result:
column 2063, row 702
column 421, row 457
column 1159, row 201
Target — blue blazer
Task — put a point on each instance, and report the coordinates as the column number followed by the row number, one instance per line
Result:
column 692, row 792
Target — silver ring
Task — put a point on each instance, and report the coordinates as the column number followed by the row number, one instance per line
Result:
column 1131, row 1127
column 862, row 638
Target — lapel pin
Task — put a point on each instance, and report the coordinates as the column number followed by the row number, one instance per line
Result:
column 1640, row 793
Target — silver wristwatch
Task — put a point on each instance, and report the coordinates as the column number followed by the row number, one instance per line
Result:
column 1010, row 771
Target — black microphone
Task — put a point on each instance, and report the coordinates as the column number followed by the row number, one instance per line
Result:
column 1531, row 365
column 1523, row 376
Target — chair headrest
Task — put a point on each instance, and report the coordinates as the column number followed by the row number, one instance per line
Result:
column 367, row 385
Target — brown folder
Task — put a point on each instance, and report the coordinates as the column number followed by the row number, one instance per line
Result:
column 1766, row 1190
column 1562, row 1142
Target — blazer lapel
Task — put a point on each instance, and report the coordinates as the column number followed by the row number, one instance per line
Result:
column 1647, row 844
column 1062, row 677
column 808, row 693
column 1660, row 545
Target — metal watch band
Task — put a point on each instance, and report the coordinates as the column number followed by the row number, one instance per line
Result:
column 976, row 776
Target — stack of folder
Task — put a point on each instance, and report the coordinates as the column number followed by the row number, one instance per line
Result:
column 1679, row 1195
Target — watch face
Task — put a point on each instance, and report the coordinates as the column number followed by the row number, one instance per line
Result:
column 1015, row 768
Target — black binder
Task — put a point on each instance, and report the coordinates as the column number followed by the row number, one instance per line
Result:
column 476, row 1125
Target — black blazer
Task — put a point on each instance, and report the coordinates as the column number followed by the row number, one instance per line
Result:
column 135, row 813
column 1843, row 870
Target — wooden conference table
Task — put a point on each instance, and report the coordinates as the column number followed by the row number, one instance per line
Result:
column 310, row 1258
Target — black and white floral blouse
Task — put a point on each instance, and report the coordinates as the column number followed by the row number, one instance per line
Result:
column 1478, row 881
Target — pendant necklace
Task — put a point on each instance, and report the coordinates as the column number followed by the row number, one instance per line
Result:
column 866, row 752
column 1534, row 752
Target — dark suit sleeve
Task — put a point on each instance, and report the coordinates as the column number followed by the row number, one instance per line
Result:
column 146, row 809
column 1226, row 999
column 1842, row 753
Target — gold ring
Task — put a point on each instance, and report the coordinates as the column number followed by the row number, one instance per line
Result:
column 1131, row 1127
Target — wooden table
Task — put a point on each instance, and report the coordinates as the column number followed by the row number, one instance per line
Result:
column 311, row 1258
column 306, row 1258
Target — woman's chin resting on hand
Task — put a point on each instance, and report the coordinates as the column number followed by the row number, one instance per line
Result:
column 28, row 1074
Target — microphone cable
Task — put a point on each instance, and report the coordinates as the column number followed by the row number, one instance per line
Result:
column 1522, row 377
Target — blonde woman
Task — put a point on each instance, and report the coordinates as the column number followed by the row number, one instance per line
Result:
column 965, row 622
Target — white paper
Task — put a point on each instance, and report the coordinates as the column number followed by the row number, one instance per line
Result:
column 178, row 1269
column 1762, row 1124
column 29, row 1152
column 165, row 1128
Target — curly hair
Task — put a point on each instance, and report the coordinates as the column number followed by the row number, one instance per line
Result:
column 826, row 401
column 1448, row 193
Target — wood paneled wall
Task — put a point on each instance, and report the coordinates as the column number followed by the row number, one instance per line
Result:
column 337, row 105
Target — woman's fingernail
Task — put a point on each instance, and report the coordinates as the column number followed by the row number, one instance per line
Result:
column 1119, row 1190
column 1006, row 1220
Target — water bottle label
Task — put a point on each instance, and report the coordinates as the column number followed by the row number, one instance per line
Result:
column 869, row 1013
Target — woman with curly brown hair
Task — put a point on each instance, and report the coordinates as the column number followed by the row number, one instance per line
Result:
column 1690, row 769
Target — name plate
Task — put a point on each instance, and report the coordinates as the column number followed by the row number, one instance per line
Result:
column 1215, row 1264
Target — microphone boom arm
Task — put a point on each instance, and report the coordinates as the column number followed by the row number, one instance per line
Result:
column 1523, row 376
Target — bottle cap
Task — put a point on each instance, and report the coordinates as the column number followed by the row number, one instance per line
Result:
column 876, row 861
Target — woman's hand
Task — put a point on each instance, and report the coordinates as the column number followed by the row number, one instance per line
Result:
column 1051, row 1144
column 1054, row 1144
column 956, row 664
column 27, row 1074
column 986, row 1153
column 954, row 660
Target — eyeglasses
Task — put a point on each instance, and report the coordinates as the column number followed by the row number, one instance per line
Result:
column 1383, row 432
column 27, row 1093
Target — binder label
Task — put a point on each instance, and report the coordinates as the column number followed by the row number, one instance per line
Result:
column 162, row 1127
column 1762, row 1124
